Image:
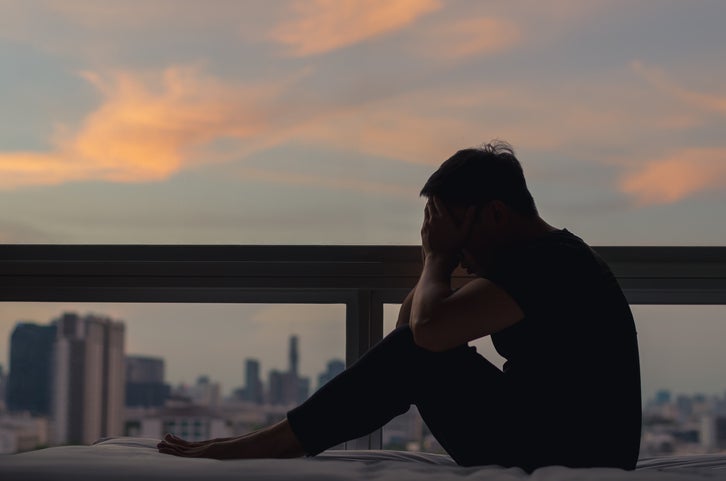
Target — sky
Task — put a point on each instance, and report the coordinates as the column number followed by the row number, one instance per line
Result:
column 318, row 121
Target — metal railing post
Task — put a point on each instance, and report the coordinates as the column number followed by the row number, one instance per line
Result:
column 363, row 329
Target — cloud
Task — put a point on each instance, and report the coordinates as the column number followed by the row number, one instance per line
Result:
column 139, row 14
column 392, row 129
column 688, row 170
column 146, row 128
column 327, row 182
column 469, row 37
column 322, row 26
column 426, row 125
column 709, row 102
column 677, row 176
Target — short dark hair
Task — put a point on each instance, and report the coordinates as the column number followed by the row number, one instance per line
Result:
column 478, row 175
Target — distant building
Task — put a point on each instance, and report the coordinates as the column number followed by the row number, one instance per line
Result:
column 31, row 369
column 253, row 391
column 684, row 404
column 291, row 388
column 662, row 397
column 193, row 423
column 145, row 382
column 404, row 432
column 294, row 357
column 205, row 392
column 303, row 389
column 720, row 428
column 3, row 384
column 334, row 367
column 297, row 388
column 708, row 433
column 276, row 387
column 88, row 400
column 22, row 432
column 144, row 369
column 288, row 388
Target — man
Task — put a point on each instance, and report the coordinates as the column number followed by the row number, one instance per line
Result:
column 569, row 393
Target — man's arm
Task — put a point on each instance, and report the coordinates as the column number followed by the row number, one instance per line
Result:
column 442, row 319
column 404, row 314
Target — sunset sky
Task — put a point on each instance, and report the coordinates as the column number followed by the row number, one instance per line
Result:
column 317, row 122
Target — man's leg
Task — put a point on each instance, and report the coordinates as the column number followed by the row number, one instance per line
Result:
column 458, row 393
column 466, row 406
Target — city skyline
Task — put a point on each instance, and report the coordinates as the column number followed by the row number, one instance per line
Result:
column 310, row 369
column 673, row 354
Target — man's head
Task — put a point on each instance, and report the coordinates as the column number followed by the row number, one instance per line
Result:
column 491, row 179
column 478, row 175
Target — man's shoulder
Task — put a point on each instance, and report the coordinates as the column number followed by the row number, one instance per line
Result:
column 557, row 254
column 554, row 247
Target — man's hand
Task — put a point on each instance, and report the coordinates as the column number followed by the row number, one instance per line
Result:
column 441, row 236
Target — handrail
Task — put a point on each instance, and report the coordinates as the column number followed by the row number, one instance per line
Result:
column 178, row 273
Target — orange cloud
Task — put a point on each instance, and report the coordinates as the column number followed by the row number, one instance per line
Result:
column 145, row 129
column 324, row 25
column 469, row 37
column 677, row 176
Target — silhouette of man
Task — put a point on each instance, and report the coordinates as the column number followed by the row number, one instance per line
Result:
column 569, row 392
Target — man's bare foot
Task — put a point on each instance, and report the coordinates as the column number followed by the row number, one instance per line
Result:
column 276, row 441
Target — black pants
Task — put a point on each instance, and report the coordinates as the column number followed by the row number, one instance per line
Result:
column 461, row 396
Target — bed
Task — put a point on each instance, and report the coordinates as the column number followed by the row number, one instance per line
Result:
column 134, row 459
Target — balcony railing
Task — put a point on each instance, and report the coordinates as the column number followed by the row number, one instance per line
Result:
column 363, row 278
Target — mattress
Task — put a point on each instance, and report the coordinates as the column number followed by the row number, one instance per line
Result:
column 135, row 459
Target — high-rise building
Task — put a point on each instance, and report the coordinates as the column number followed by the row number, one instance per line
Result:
column 88, row 398
column 31, row 360
column 293, row 356
column 333, row 368
column 3, row 384
column 253, row 384
column 144, row 369
column 276, row 387
column 289, row 387
column 303, row 389
column 145, row 382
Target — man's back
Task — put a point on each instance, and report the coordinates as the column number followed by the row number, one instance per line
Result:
column 572, row 362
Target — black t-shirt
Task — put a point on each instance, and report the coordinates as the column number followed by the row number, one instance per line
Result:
column 572, row 362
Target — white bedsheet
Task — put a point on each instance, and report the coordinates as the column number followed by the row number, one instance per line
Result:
column 136, row 459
